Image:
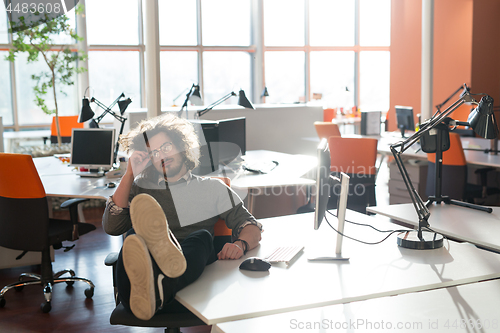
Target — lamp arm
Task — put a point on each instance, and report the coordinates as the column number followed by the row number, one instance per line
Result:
column 419, row 205
column 439, row 106
column 214, row 104
column 108, row 110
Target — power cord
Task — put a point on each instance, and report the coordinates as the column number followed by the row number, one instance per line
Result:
column 365, row 225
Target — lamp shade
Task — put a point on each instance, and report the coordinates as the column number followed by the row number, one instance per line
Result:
column 195, row 96
column 482, row 119
column 243, row 101
column 265, row 93
column 86, row 112
column 123, row 105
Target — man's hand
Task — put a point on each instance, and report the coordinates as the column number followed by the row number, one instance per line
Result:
column 230, row 251
column 138, row 161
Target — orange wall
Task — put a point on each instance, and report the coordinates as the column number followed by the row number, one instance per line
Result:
column 466, row 50
column 486, row 48
column 405, row 56
column 452, row 52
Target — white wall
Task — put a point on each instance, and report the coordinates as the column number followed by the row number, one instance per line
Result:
column 282, row 128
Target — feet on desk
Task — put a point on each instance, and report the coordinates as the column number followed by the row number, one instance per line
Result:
column 150, row 223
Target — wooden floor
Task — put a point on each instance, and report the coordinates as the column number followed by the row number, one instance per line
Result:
column 71, row 310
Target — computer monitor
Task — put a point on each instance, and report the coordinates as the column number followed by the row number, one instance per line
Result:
column 325, row 182
column 404, row 118
column 92, row 148
column 222, row 141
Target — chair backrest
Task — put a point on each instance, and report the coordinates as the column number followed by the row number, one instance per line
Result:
column 66, row 125
column 454, row 170
column 328, row 115
column 220, row 228
column 353, row 155
column 24, row 215
column 454, row 155
column 326, row 129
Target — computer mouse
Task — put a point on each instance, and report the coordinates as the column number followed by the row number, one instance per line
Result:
column 111, row 185
column 255, row 264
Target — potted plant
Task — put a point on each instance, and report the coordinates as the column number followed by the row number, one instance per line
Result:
column 38, row 40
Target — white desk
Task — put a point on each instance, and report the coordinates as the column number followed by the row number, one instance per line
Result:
column 452, row 309
column 13, row 138
column 60, row 180
column 464, row 224
column 224, row 293
column 293, row 170
column 472, row 157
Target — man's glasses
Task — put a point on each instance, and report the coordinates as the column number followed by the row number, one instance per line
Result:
column 165, row 148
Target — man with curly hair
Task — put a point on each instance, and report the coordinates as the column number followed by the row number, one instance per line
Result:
column 158, row 202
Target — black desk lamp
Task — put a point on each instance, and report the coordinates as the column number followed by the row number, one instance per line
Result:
column 88, row 114
column 242, row 101
column 482, row 121
column 194, row 96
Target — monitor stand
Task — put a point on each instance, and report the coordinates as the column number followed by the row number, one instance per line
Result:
column 93, row 173
column 338, row 248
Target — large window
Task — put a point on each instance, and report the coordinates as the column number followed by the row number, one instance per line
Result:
column 335, row 53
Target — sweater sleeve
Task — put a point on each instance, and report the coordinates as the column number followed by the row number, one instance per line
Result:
column 116, row 220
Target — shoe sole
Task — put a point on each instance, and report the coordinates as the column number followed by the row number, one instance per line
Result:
column 139, row 270
column 149, row 222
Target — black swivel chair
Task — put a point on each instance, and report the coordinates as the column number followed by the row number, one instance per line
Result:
column 181, row 317
column 454, row 175
column 25, row 225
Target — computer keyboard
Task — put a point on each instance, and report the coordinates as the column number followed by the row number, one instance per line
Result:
column 284, row 254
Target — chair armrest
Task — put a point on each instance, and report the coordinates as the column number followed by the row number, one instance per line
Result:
column 111, row 259
column 72, row 205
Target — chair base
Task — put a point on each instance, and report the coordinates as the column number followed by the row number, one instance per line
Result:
column 36, row 279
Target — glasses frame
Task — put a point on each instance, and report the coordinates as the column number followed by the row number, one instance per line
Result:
column 163, row 149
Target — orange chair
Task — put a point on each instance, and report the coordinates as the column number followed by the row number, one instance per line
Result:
column 328, row 115
column 326, row 129
column 357, row 158
column 66, row 125
column 25, row 225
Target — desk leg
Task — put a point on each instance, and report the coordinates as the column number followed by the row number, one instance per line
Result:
column 251, row 201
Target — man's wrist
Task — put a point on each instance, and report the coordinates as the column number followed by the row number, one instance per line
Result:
column 244, row 245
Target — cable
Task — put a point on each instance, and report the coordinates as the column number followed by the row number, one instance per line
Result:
column 360, row 241
column 367, row 225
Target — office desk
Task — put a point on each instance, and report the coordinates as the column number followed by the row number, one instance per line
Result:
column 465, row 308
column 464, row 224
column 478, row 158
column 61, row 180
column 224, row 293
column 293, row 170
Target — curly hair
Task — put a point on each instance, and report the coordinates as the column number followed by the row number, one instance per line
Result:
column 179, row 130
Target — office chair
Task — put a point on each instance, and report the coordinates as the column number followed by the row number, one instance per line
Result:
column 454, row 175
column 326, row 129
column 66, row 125
column 172, row 321
column 357, row 158
column 25, row 225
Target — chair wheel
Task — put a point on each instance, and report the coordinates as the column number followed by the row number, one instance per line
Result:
column 19, row 288
column 89, row 292
column 2, row 302
column 70, row 283
column 46, row 307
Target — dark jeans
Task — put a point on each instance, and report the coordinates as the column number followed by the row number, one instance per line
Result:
column 199, row 252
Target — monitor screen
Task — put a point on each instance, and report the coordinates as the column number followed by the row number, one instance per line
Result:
column 404, row 118
column 92, row 148
column 324, row 183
